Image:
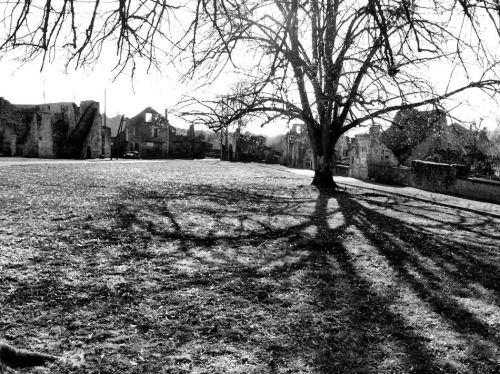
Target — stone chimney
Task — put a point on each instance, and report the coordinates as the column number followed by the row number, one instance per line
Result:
column 191, row 131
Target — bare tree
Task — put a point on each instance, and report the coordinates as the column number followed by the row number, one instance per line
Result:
column 337, row 64
column 83, row 31
column 217, row 113
column 333, row 64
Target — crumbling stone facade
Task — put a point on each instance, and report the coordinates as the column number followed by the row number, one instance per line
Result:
column 151, row 135
column 106, row 141
column 369, row 149
column 297, row 149
column 58, row 130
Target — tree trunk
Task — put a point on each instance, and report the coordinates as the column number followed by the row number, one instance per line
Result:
column 324, row 179
column 323, row 174
column 324, row 158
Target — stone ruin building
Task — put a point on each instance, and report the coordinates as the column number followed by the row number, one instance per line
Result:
column 369, row 148
column 417, row 135
column 297, row 149
column 58, row 130
column 151, row 135
column 241, row 146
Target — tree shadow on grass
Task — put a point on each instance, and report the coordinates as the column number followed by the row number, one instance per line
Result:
column 403, row 285
column 299, row 281
column 435, row 214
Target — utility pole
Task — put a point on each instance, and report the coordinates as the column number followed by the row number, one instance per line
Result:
column 168, row 131
column 227, row 145
column 223, row 128
column 237, row 149
column 222, row 144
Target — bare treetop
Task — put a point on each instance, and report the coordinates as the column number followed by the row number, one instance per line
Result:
column 83, row 31
column 336, row 64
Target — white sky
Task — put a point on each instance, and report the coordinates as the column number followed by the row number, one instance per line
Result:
column 27, row 85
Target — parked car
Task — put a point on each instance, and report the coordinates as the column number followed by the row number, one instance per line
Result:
column 132, row 154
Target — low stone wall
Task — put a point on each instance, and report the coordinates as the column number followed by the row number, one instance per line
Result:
column 386, row 173
column 341, row 170
column 432, row 176
column 359, row 171
column 451, row 179
column 477, row 189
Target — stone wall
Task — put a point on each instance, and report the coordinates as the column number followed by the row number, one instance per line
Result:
column 91, row 147
column 477, row 189
column 341, row 170
column 450, row 179
column 106, row 141
column 56, row 130
column 45, row 136
column 432, row 176
column 367, row 149
column 389, row 174
column 359, row 156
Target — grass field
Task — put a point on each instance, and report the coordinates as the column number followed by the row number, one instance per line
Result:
column 210, row 267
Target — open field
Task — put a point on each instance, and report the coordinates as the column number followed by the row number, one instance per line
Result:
column 210, row 267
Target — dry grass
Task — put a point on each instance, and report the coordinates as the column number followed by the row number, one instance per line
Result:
column 204, row 267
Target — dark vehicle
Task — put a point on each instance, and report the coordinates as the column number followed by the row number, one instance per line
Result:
column 132, row 154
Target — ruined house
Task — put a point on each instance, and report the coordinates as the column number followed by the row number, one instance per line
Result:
column 241, row 146
column 369, row 149
column 413, row 135
column 150, row 134
column 425, row 135
column 297, row 149
column 58, row 130
column 249, row 147
column 416, row 135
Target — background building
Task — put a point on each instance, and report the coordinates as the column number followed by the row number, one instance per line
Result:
column 58, row 130
column 150, row 134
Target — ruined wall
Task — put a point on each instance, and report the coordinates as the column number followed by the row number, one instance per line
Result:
column 57, row 130
column 6, row 133
column 7, row 143
column 147, row 135
column 380, row 154
column 14, row 126
column 106, row 141
column 367, row 150
column 342, row 148
column 45, row 136
column 358, row 167
column 91, row 131
column 29, row 147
